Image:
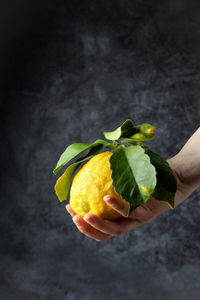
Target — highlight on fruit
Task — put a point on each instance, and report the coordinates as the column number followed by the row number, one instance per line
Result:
column 121, row 165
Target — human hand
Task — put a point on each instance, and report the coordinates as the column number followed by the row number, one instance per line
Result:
column 185, row 167
column 102, row 229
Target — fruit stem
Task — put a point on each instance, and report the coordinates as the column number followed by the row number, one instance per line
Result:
column 116, row 142
column 111, row 146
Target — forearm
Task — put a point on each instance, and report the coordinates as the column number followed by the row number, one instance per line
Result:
column 186, row 165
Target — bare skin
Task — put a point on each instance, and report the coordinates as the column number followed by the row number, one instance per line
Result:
column 186, row 169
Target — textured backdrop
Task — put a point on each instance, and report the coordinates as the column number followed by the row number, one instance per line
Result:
column 71, row 70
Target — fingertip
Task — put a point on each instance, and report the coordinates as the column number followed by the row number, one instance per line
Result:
column 123, row 207
column 127, row 212
column 76, row 218
column 109, row 199
column 67, row 207
column 70, row 210
column 106, row 197
column 87, row 217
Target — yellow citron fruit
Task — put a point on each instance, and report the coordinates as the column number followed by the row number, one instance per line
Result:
column 91, row 183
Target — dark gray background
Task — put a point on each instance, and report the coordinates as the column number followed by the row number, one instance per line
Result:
column 71, row 70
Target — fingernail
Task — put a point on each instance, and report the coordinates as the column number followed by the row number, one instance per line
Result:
column 86, row 217
column 75, row 218
column 106, row 198
column 127, row 213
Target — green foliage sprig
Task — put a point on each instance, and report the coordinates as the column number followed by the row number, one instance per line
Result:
column 137, row 172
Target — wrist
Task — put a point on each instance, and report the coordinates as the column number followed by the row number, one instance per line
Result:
column 181, row 168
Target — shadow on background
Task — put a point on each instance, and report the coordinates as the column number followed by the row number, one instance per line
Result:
column 71, row 70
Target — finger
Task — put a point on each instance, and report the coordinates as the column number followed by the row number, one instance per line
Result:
column 121, row 207
column 107, row 226
column 70, row 210
column 128, row 224
column 88, row 230
column 141, row 213
column 144, row 212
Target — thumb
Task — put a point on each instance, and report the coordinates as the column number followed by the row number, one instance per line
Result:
column 120, row 205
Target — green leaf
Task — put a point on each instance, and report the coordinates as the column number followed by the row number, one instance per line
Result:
column 74, row 150
column 133, row 175
column 125, row 130
column 166, row 183
column 142, row 132
column 144, row 146
column 138, row 137
column 63, row 183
